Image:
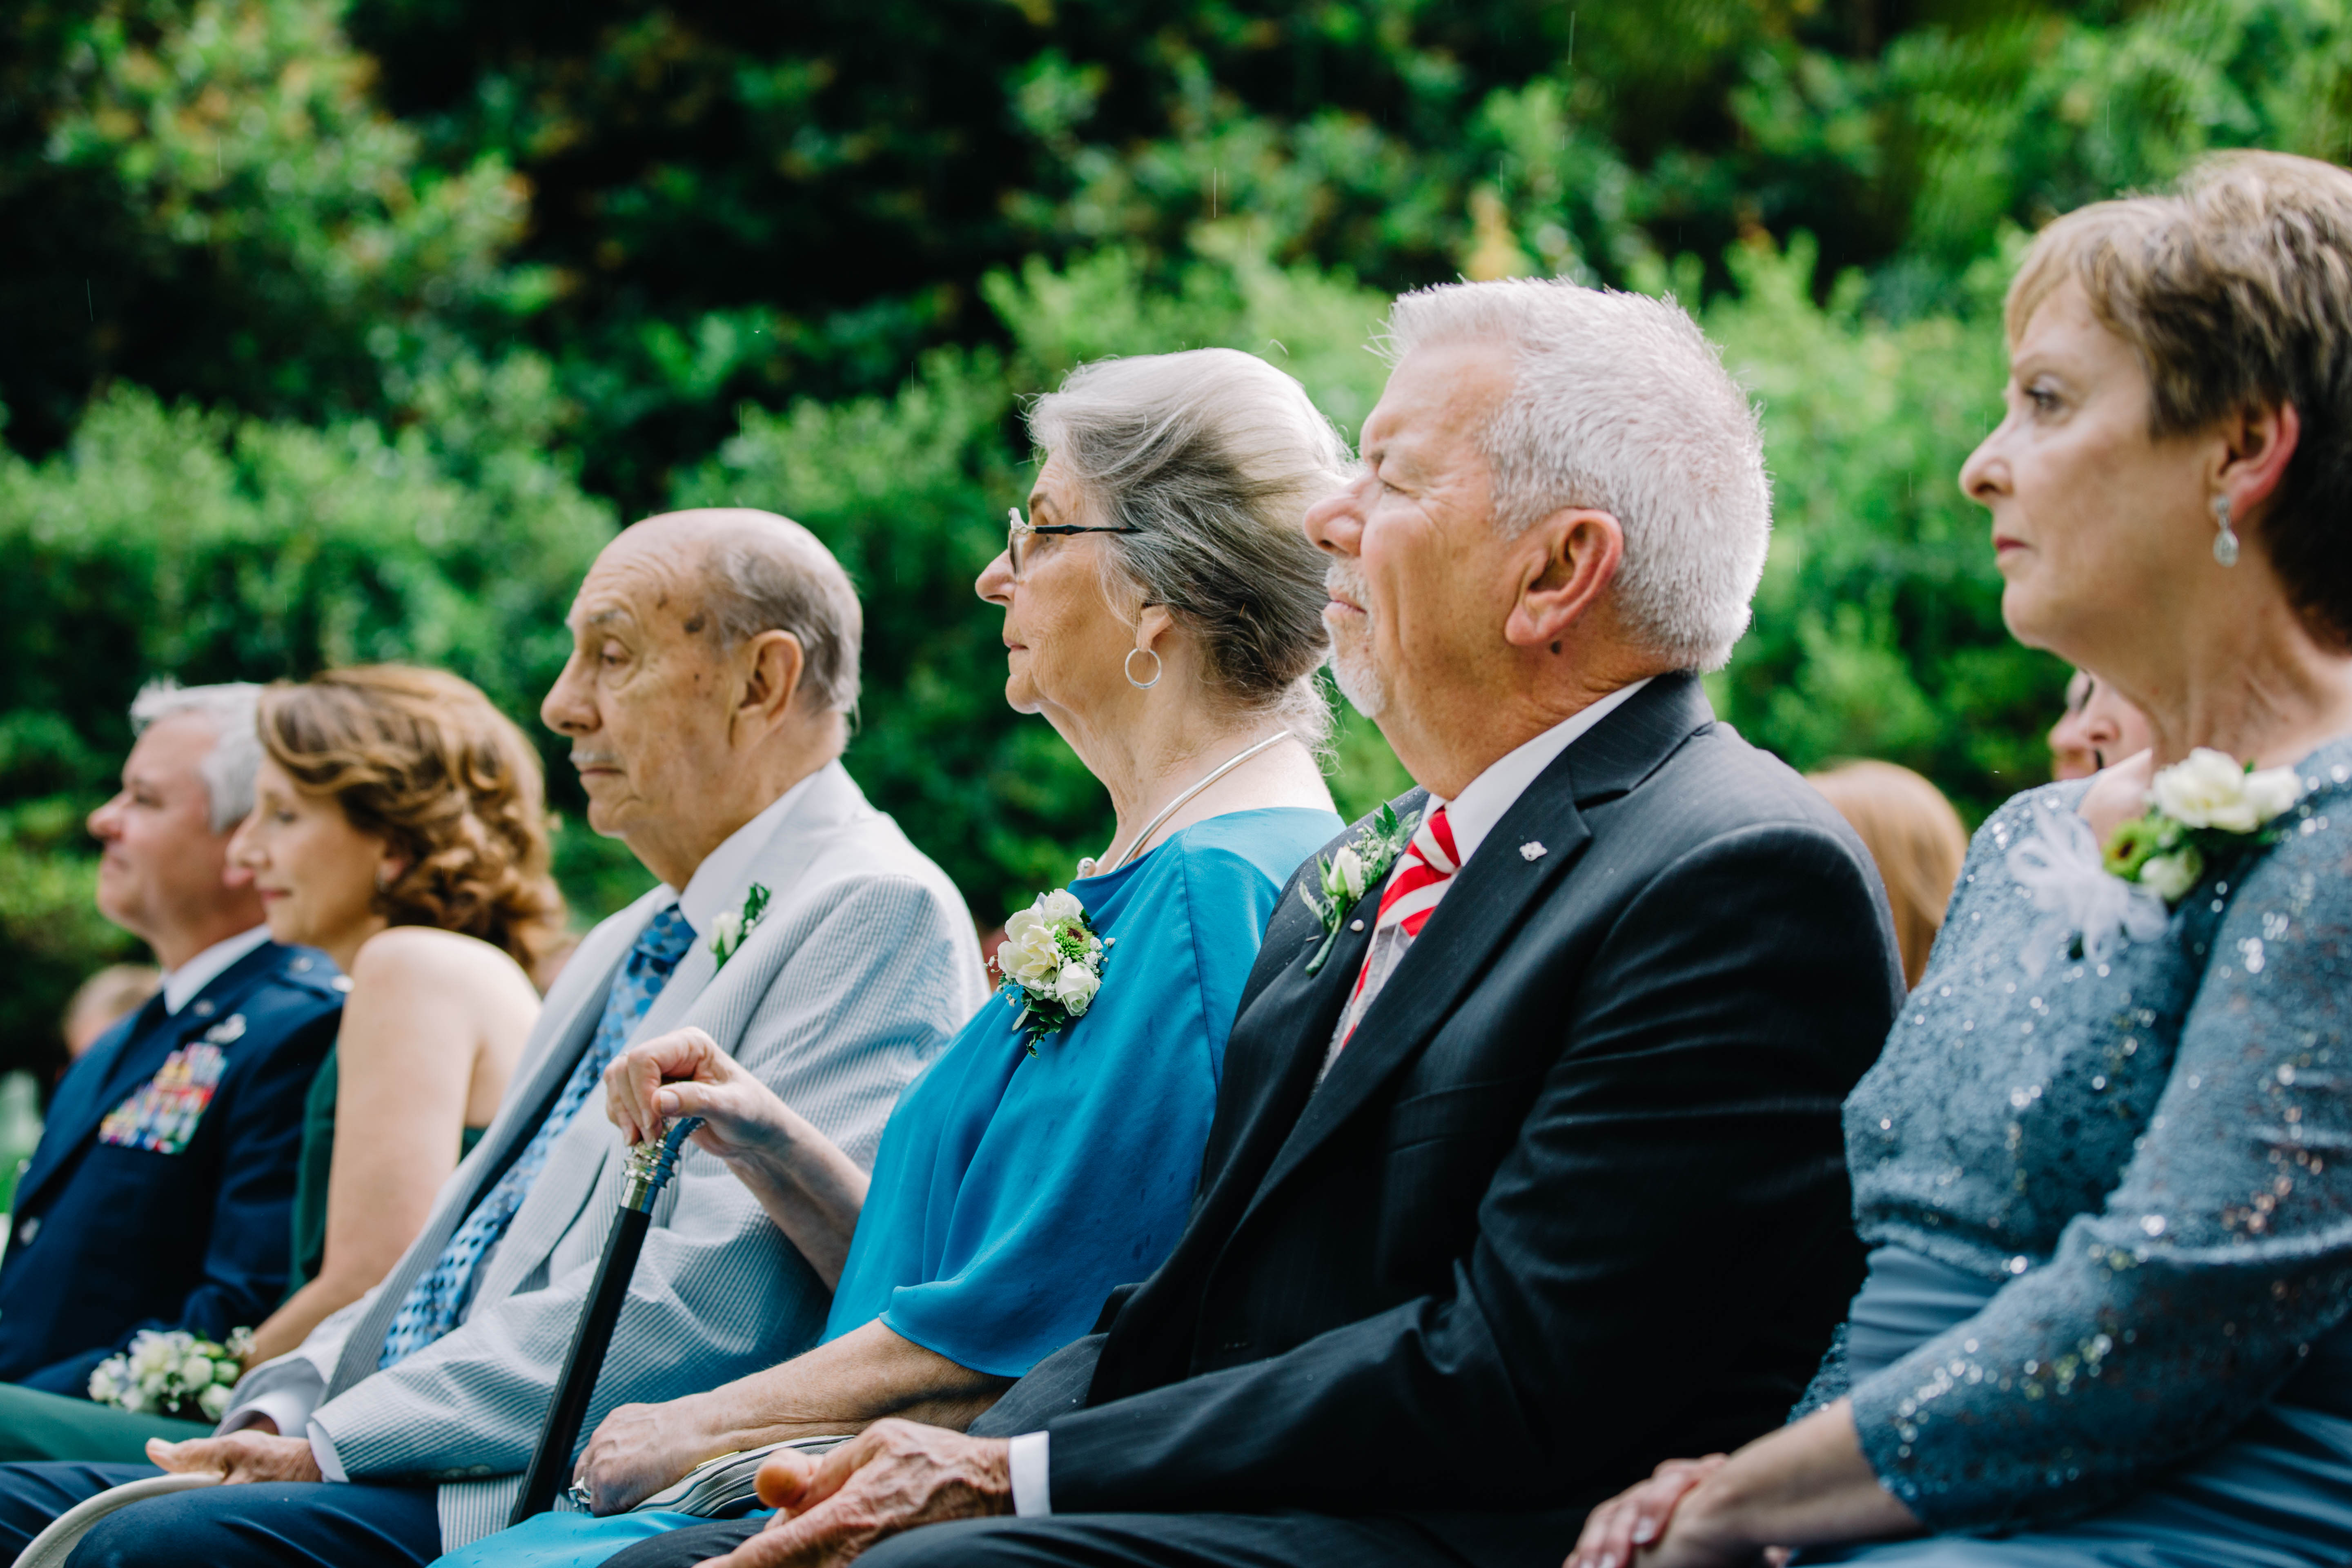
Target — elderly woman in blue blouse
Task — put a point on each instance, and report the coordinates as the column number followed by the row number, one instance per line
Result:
column 1163, row 611
column 2106, row 1160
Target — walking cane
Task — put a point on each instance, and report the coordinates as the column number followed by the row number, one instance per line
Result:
column 650, row 1165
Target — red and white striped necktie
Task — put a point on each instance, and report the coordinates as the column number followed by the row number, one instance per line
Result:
column 1422, row 874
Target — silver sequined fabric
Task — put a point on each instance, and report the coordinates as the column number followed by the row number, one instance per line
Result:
column 2152, row 1155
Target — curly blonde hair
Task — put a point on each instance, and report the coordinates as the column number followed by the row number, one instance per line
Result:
column 421, row 759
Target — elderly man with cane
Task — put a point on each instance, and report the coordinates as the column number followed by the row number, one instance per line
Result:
column 714, row 663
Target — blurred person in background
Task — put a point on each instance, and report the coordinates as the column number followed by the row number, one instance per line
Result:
column 1914, row 835
column 2099, row 728
column 2099, row 1161
column 399, row 825
column 161, row 1192
column 102, row 1001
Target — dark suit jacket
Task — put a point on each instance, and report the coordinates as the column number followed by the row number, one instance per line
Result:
column 1572, row 1200
column 157, row 1199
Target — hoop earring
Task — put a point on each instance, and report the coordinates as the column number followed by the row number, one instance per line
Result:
column 2225, row 543
column 1127, row 666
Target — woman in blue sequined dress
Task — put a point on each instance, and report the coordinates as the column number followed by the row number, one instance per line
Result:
column 2105, row 1163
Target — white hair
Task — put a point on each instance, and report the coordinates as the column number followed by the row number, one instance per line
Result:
column 233, row 711
column 1619, row 403
column 1212, row 457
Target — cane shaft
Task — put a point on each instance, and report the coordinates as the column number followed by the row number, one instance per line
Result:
column 649, row 1169
column 551, row 1469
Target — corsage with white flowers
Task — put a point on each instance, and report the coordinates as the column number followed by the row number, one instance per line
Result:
column 731, row 930
column 177, row 1373
column 1355, row 868
column 2201, row 809
column 1052, row 962
column 2201, row 812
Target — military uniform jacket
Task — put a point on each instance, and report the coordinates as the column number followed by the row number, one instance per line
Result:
column 159, row 1196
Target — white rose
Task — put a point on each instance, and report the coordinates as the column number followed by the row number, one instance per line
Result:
column 2170, row 877
column 214, row 1401
column 1348, row 869
column 1075, row 988
column 135, row 1401
column 103, row 1382
column 2207, row 789
column 2273, row 791
column 1059, row 906
column 196, row 1371
column 1029, row 955
column 153, row 1354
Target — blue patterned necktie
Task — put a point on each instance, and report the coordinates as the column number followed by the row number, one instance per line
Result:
column 434, row 1302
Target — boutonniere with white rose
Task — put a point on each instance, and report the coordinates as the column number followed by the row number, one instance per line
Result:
column 1053, row 963
column 1355, row 868
column 734, row 928
column 2201, row 809
column 178, row 1374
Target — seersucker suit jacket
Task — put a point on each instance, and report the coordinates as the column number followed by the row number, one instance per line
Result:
column 862, row 970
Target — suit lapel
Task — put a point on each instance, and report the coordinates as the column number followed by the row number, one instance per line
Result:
column 585, row 1162
column 1489, row 901
column 99, row 1082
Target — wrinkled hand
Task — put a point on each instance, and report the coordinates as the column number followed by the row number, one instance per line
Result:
column 640, row 1448
column 241, row 1456
column 684, row 1073
column 894, row 1476
column 1639, row 1516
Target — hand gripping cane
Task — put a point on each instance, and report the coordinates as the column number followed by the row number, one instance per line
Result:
column 650, row 1165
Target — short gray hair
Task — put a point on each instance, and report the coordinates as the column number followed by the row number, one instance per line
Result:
column 1212, row 457
column 233, row 711
column 1619, row 403
column 789, row 582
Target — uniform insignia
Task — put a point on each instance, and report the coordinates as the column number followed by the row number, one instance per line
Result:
column 228, row 1031
column 160, row 1115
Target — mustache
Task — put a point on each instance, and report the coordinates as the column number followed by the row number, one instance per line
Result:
column 1341, row 580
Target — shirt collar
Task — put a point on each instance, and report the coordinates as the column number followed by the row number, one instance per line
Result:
column 718, row 884
column 181, row 985
column 1485, row 799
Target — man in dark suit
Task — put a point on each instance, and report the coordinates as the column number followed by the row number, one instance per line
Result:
column 1536, row 1178
column 161, row 1193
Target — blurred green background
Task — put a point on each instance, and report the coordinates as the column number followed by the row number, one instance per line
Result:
column 336, row 329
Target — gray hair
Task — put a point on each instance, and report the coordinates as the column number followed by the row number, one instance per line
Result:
column 1212, row 457
column 233, row 711
column 789, row 582
column 1619, row 403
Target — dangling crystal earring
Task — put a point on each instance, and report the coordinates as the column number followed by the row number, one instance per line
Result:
column 2225, row 543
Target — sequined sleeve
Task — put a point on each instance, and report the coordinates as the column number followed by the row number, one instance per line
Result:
column 2161, row 1321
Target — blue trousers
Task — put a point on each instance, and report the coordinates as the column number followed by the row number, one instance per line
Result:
column 275, row 1524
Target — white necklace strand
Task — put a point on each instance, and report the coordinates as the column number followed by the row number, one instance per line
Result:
column 1087, row 866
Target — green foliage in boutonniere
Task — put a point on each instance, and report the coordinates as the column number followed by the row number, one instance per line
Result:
column 1347, row 874
column 735, row 930
column 2202, row 808
column 1052, row 962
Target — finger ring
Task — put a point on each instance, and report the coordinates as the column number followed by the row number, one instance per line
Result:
column 578, row 1492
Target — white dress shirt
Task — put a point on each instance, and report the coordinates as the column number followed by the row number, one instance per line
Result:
column 181, row 984
column 1473, row 814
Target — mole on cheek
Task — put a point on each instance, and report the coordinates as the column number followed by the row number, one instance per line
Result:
column 695, row 624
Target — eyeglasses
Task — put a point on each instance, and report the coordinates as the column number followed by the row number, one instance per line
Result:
column 1019, row 528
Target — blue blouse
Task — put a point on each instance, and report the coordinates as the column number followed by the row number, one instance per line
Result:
column 2147, row 1159
column 1012, row 1193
